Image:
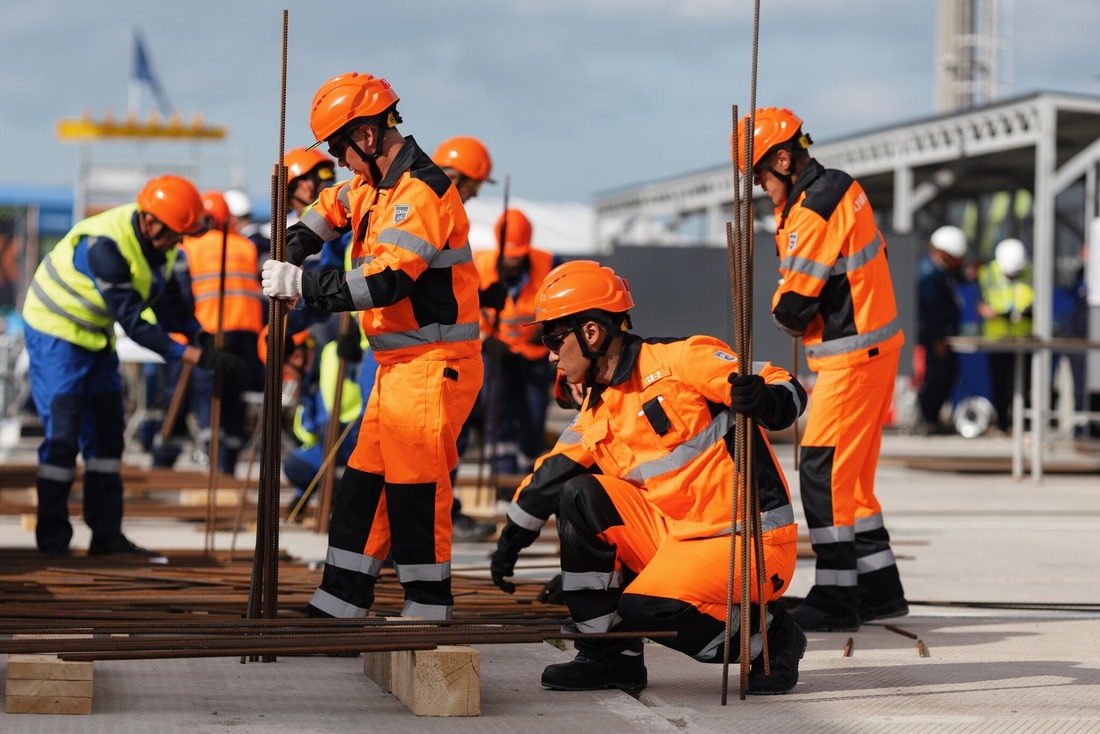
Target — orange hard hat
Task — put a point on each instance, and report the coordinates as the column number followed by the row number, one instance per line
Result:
column 216, row 208
column 578, row 286
column 772, row 126
column 301, row 161
column 517, row 235
column 174, row 201
column 349, row 97
column 468, row 156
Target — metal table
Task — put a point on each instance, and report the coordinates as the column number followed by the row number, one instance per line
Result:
column 1040, row 350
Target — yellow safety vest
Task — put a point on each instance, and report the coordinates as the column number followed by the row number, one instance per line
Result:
column 65, row 303
column 1010, row 298
column 351, row 398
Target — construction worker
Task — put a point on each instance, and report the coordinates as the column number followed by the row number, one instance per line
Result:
column 466, row 162
column 1006, row 301
column 518, row 375
column 109, row 268
column 241, row 322
column 414, row 285
column 938, row 312
column 646, row 490
column 835, row 293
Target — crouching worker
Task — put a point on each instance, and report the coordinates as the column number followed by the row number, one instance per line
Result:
column 645, row 493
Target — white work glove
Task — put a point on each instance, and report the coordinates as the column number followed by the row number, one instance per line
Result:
column 282, row 280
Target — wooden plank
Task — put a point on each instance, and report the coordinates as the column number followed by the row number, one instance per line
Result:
column 445, row 681
column 46, row 667
column 47, row 705
column 49, row 688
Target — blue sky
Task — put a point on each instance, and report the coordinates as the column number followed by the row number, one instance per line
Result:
column 572, row 98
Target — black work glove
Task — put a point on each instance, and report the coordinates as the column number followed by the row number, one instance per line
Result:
column 226, row 364
column 502, row 563
column 749, row 395
column 493, row 296
column 204, row 340
column 301, row 242
column 349, row 347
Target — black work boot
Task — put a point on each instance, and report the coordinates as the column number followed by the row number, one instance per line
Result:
column 118, row 546
column 888, row 609
column 786, row 646
column 812, row 619
column 623, row 670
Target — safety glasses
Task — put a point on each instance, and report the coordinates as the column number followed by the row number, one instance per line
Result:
column 554, row 341
column 338, row 144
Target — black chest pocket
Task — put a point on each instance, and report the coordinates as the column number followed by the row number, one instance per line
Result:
column 654, row 412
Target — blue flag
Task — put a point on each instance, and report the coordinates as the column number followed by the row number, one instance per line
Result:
column 143, row 72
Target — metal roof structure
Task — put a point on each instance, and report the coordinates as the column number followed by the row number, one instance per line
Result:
column 1043, row 142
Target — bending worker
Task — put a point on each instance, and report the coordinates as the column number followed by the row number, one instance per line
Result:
column 644, row 493
column 835, row 292
column 109, row 267
column 414, row 285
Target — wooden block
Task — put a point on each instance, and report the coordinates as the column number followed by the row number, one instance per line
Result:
column 47, row 667
column 46, row 705
column 49, row 688
column 28, row 521
column 445, row 681
column 197, row 497
column 44, row 684
column 378, row 666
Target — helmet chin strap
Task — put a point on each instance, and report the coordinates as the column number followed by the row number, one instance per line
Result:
column 593, row 355
column 371, row 159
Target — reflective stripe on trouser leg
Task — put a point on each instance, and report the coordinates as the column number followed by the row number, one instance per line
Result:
column 597, row 549
column 834, row 588
column 101, row 439
column 57, row 469
column 879, row 581
column 357, row 543
column 408, row 435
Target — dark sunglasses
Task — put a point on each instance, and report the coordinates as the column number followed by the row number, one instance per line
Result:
column 338, row 144
column 554, row 341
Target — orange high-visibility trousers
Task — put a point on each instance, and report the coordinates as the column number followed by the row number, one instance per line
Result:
column 396, row 491
column 839, row 458
column 621, row 569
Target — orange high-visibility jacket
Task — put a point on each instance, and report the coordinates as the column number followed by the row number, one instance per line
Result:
column 413, row 278
column 244, row 299
column 516, row 328
column 662, row 425
column 835, row 287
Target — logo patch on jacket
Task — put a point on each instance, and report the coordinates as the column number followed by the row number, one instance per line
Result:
column 792, row 241
column 653, row 377
column 401, row 213
column 725, row 356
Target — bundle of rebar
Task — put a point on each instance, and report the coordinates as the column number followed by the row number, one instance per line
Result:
column 746, row 497
column 263, row 597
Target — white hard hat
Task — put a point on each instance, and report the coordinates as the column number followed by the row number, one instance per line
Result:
column 1011, row 255
column 949, row 240
column 238, row 203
